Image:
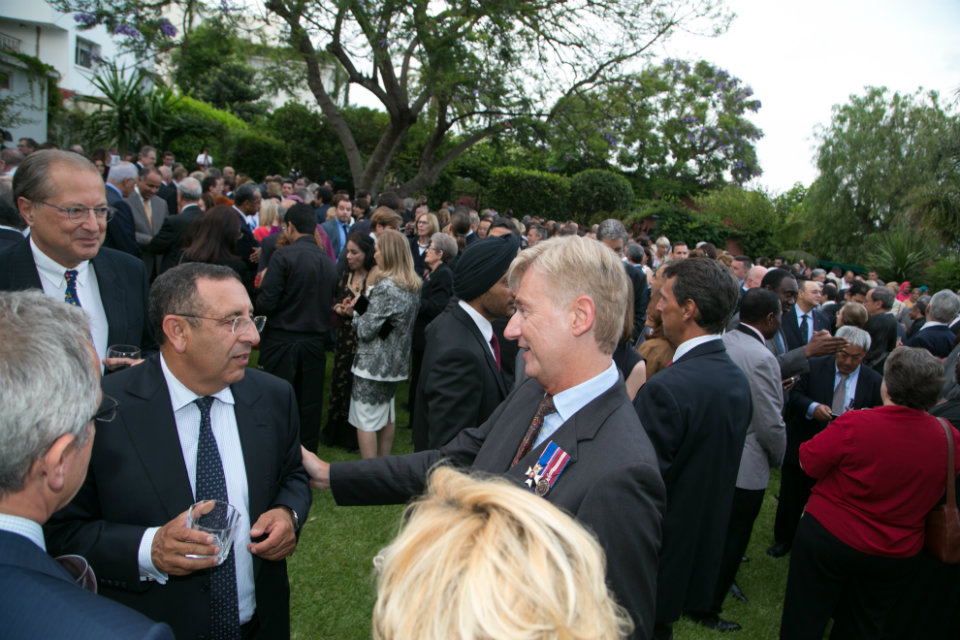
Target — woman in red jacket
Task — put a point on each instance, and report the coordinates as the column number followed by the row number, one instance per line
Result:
column 879, row 472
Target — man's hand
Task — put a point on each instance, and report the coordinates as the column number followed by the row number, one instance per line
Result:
column 174, row 541
column 822, row 413
column 823, row 344
column 317, row 469
column 281, row 540
column 120, row 363
column 255, row 255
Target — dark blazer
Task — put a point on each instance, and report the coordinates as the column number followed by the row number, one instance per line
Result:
column 882, row 328
column 459, row 386
column 641, row 298
column 41, row 600
column 9, row 237
column 137, row 479
column 419, row 264
column 331, row 227
column 696, row 412
column 123, row 285
column 120, row 230
column 611, row 484
column 169, row 239
column 434, row 297
column 297, row 291
column 168, row 192
column 937, row 340
column 817, row 386
column 791, row 327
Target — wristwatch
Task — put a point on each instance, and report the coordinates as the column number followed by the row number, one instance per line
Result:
column 293, row 514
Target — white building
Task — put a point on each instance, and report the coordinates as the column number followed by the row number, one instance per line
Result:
column 34, row 28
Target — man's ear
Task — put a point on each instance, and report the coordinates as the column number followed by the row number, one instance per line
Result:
column 53, row 462
column 689, row 310
column 584, row 313
column 175, row 329
column 25, row 207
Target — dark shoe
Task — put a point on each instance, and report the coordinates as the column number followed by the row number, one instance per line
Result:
column 738, row 592
column 715, row 622
column 778, row 550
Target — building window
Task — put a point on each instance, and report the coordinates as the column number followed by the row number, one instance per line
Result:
column 87, row 54
column 5, row 80
column 9, row 43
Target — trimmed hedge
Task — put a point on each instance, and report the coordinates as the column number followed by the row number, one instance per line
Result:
column 597, row 190
column 258, row 154
column 527, row 192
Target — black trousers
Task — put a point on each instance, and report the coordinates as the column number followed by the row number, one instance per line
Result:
column 746, row 508
column 301, row 360
column 795, row 486
column 829, row 579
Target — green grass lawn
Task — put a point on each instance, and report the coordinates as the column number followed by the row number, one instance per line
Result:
column 332, row 579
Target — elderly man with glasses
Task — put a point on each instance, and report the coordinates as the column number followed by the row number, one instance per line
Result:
column 195, row 424
column 62, row 198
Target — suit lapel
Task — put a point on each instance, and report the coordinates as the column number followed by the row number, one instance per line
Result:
column 484, row 345
column 256, row 440
column 112, row 296
column 22, row 269
column 153, row 433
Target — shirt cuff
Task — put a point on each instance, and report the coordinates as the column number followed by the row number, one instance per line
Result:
column 145, row 558
column 811, row 409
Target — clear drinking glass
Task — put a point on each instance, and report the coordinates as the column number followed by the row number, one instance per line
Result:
column 221, row 522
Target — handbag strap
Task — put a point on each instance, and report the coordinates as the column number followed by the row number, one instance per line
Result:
column 951, row 476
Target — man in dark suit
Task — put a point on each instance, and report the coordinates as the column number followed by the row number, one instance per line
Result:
column 46, row 452
column 882, row 326
column 765, row 442
column 571, row 298
column 803, row 321
column 121, row 232
column 461, row 384
column 834, row 385
column 246, row 202
column 338, row 227
column 612, row 233
column 696, row 413
column 168, row 190
column 168, row 242
column 149, row 212
column 194, row 424
column 936, row 336
column 297, row 294
column 61, row 197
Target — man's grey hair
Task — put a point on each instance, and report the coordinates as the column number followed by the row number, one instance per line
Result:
column 613, row 229
column 32, row 179
column 189, row 190
column 944, row 306
column 11, row 157
column 634, row 252
column 122, row 171
column 816, row 273
column 246, row 191
column 46, row 351
column 855, row 336
column 145, row 171
column 885, row 296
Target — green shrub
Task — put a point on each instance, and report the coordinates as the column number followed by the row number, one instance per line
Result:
column 681, row 224
column 200, row 125
column 943, row 274
column 528, row 192
column 258, row 154
column 596, row 190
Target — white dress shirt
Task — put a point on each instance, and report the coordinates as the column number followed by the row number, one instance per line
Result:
column 486, row 329
column 571, row 400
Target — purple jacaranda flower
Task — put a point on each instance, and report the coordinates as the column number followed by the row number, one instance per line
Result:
column 85, row 18
column 168, row 29
column 126, row 30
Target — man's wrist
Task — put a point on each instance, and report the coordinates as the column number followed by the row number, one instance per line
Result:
column 294, row 518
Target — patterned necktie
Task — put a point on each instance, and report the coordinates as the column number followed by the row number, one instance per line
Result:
column 212, row 485
column 838, row 404
column 546, row 408
column 804, row 330
column 146, row 210
column 495, row 345
column 70, row 297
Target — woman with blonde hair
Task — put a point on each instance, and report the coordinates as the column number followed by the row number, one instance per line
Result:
column 383, row 319
column 482, row 558
column 269, row 219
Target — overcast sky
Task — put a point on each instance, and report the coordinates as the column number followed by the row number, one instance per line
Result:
column 801, row 58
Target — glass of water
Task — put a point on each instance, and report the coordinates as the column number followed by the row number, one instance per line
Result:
column 221, row 522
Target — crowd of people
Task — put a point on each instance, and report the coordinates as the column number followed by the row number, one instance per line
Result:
column 617, row 402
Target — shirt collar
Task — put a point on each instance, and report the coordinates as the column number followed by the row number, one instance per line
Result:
column 932, row 323
column 755, row 331
column 53, row 271
column 690, row 344
column 486, row 329
column 571, row 400
column 181, row 396
column 29, row 529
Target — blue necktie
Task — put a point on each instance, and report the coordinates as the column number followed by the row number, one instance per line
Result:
column 343, row 237
column 804, row 330
column 70, row 297
column 211, row 485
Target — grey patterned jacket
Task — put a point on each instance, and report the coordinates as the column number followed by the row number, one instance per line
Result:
column 378, row 358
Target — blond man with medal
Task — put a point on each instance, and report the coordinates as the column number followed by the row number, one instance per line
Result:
column 569, row 433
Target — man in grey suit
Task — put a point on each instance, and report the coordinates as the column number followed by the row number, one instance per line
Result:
column 149, row 212
column 766, row 440
column 569, row 433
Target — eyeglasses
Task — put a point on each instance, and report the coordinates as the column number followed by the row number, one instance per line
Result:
column 432, row 248
column 77, row 215
column 107, row 411
column 238, row 325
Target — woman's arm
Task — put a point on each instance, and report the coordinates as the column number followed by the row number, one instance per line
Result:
column 383, row 306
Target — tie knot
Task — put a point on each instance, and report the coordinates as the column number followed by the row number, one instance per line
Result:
column 70, row 275
column 204, row 403
column 546, row 406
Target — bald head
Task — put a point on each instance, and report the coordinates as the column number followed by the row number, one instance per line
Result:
column 754, row 277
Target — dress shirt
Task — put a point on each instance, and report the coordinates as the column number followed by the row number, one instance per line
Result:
column 809, row 315
column 251, row 221
column 849, row 392
column 690, row 344
column 20, row 231
column 29, row 529
column 486, row 329
column 929, row 324
column 223, row 421
column 88, row 292
column 571, row 400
